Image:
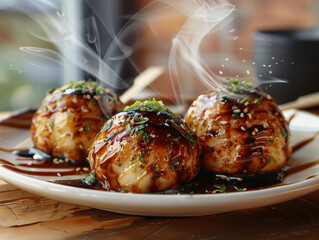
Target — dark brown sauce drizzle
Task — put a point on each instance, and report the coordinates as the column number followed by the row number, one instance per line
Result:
column 35, row 162
column 292, row 170
column 304, row 143
column 291, row 117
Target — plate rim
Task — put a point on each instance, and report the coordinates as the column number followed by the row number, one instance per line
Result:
column 164, row 202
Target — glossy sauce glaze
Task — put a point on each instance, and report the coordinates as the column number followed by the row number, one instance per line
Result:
column 69, row 118
column 35, row 162
column 204, row 183
column 145, row 151
column 240, row 136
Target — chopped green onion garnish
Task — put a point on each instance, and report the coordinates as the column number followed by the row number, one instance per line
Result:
column 107, row 125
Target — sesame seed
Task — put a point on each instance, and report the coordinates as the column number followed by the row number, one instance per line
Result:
column 250, row 115
column 152, row 135
column 166, row 124
column 252, row 91
column 58, row 174
column 52, row 180
column 243, row 128
column 56, row 161
column 256, row 130
column 246, row 103
column 269, row 97
column 237, row 110
column 239, row 179
column 104, row 176
column 88, row 96
column 242, row 115
column 85, row 169
column 223, row 122
column 61, row 161
column 78, row 169
column 266, row 125
column 253, row 133
column 81, row 129
column 238, row 146
column 168, row 135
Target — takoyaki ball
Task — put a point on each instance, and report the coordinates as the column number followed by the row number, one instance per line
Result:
column 145, row 148
column 240, row 135
column 69, row 118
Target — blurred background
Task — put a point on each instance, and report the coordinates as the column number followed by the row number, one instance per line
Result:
column 26, row 74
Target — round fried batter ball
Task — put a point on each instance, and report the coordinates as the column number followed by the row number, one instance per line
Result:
column 69, row 118
column 145, row 148
column 240, row 135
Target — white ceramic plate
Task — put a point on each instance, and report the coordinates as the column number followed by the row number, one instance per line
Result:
column 303, row 126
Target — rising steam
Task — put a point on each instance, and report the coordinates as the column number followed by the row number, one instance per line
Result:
column 204, row 17
column 185, row 60
column 58, row 31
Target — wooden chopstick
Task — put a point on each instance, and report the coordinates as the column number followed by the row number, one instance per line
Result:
column 310, row 100
column 141, row 81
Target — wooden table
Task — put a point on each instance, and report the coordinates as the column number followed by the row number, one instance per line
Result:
column 26, row 216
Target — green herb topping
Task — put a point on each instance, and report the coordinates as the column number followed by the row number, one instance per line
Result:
column 256, row 101
column 244, row 100
column 175, row 139
column 236, row 86
column 107, row 125
column 284, row 132
column 157, row 168
column 271, row 159
column 90, row 179
column 84, row 87
column 87, row 127
column 174, row 164
column 51, row 122
column 272, row 140
column 191, row 138
column 150, row 105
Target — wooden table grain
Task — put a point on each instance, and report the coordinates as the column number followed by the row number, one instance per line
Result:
column 27, row 216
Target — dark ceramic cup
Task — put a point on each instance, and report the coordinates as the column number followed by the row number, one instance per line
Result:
column 290, row 55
